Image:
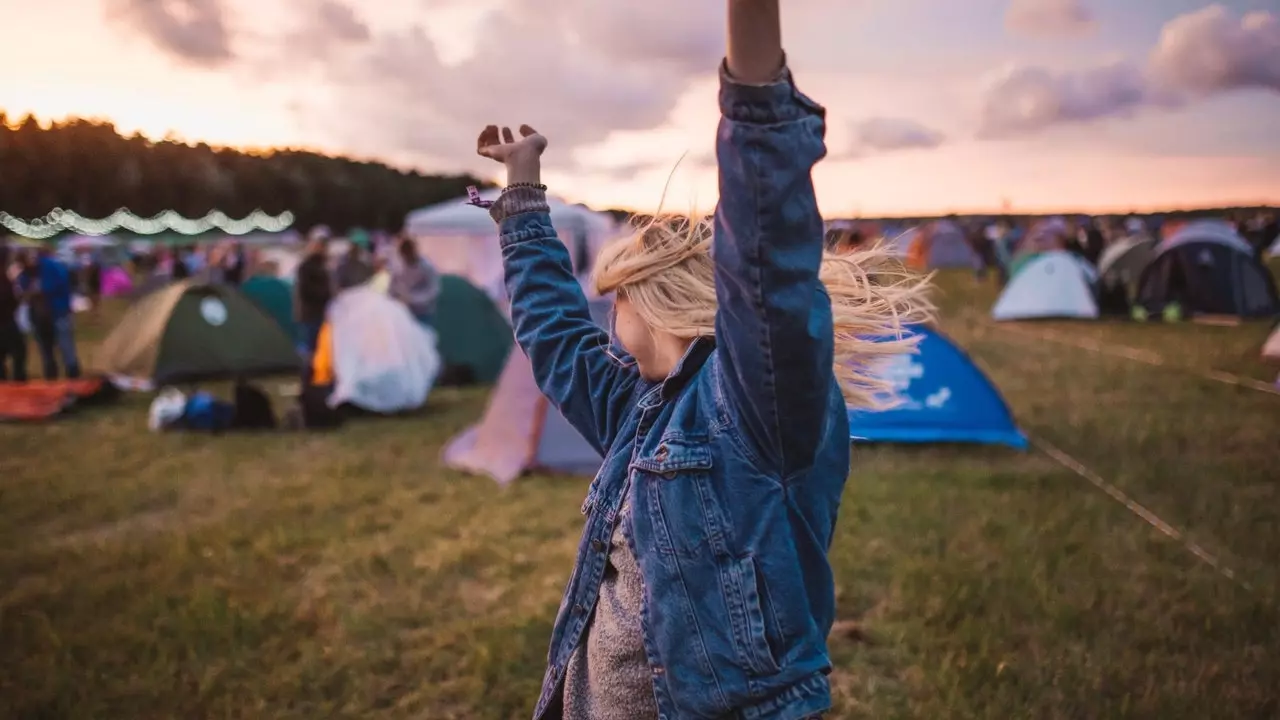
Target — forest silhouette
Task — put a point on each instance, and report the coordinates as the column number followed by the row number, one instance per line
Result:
column 89, row 167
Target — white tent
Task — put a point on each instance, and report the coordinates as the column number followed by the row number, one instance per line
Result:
column 461, row 239
column 1055, row 284
column 384, row 360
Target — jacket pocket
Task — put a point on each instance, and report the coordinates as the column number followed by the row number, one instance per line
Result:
column 680, row 511
column 746, row 613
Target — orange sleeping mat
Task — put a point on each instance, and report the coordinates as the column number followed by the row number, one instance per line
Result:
column 43, row 399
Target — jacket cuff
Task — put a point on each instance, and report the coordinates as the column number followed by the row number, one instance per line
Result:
column 517, row 201
column 772, row 103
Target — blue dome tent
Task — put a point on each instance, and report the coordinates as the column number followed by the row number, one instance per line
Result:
column 947, row 399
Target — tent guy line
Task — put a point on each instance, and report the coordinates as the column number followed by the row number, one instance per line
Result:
column 1115, row 493
column 1144, row 356
column 1136, row 508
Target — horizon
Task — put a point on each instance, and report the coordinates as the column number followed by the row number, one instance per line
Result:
column 1040, row 106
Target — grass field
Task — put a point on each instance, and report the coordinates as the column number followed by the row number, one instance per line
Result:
column 350, row 575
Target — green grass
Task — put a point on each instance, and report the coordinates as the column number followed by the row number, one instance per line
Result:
column 350, row 575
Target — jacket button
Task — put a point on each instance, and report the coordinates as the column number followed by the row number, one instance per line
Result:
column 658, row 670
column 597, row 545
column 578, row 609
column 662, row 452
column 669, row 475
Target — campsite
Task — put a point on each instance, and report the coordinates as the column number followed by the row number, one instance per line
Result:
column 355, row 573
column 816, row 360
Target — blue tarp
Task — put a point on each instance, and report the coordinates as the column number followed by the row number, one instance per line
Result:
column 947, row 400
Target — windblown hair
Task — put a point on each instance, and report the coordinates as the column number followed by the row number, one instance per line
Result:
column 665, row 270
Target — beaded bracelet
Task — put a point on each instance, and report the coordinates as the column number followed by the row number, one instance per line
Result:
column 473, row 194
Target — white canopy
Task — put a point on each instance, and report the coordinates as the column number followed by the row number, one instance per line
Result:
column 461, row 239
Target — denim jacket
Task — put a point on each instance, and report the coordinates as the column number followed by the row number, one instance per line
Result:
column 735, row 463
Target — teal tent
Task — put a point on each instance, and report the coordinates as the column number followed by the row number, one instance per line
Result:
column 274, row 297
column 474, row 336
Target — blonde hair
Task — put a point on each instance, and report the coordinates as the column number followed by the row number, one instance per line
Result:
column 665, row 270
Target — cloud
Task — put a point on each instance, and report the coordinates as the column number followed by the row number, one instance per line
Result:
column 883, row 135
column 1049, row 17
column 194, row 31
column 1027, row 99
column 336, row 21
column 1200, row 54
column 577, row 70
column 1209, row 51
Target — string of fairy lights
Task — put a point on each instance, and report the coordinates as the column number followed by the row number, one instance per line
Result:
column 59, row 220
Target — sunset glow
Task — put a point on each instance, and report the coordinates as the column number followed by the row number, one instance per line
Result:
column 410, row 86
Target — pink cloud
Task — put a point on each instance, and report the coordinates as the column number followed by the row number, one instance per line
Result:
column 1199, row 54
column 1049, row 17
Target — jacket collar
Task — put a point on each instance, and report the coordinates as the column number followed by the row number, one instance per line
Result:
column 690, row 363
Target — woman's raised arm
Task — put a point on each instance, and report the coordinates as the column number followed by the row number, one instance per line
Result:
column 774, row 328
column 572, row 362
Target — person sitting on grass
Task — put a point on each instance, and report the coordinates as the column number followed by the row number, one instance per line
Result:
column 702, row 586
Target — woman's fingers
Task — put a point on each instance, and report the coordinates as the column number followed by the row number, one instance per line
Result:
column 488, row 138
column 494, row 143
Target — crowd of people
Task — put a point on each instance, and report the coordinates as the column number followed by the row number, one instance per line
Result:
column 36, row 293
column 39, row 291
column 411, row 279
column 995, row 242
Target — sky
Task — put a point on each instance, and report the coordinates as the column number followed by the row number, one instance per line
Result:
column 933, row 105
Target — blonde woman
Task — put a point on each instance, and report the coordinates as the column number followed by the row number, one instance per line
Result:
column 702, row 587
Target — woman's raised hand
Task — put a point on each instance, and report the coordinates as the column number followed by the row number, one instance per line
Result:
column 522, row 157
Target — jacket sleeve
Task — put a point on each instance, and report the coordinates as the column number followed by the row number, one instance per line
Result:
column 590, row 383
column 774, row 323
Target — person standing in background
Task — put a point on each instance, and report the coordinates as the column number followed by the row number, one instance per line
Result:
column 233, row 264
column 416, row 283
column 314, row 290
column 13, row 344
column 354, row 268
column 178, row 267
column 46, row 286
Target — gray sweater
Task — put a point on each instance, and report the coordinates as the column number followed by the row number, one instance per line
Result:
column 608, row 676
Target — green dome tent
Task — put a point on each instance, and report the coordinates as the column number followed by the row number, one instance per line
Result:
column 274, row 296
column 474, row 336
column 188, row 332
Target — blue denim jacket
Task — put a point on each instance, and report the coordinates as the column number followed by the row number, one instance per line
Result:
column 734, row 464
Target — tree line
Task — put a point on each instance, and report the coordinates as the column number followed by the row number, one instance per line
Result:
column 91, row 168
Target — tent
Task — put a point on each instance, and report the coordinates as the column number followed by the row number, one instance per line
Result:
column 383, row 360
column 461, row 239
column 475, row 337
column 275, row 297
column 1271, row 348
column 942, row 245
column 1119, row 268
column 1055, row 284
column 521, row 430
column 947, row 399
column 1205, row 267
column 1122, row 263
column 189, row 332
column 899, row 243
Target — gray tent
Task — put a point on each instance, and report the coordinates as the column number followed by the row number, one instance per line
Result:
column 521, row 431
